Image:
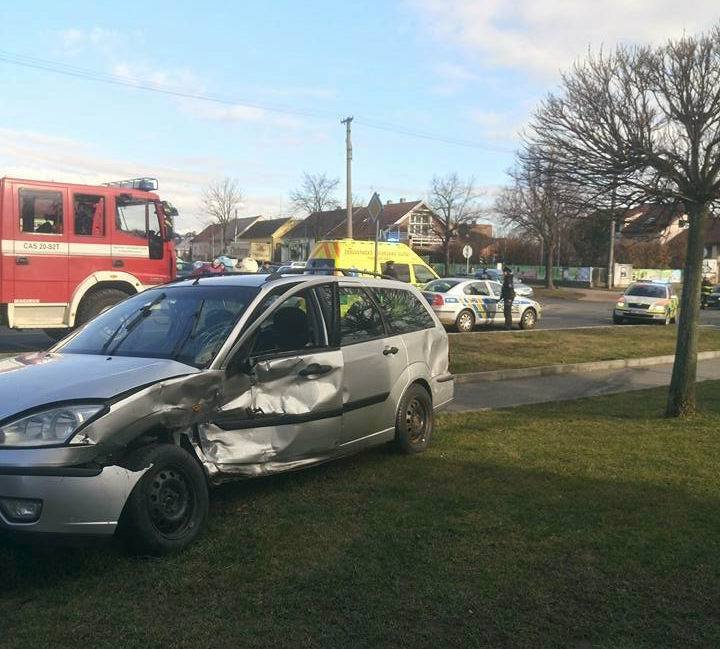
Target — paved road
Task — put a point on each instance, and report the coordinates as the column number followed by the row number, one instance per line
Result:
column 12, row 340
column 564, row 387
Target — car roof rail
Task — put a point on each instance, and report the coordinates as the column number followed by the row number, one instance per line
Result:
column 346, row 272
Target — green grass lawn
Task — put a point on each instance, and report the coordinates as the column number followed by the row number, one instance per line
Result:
column 482, row 351
column 587, row 524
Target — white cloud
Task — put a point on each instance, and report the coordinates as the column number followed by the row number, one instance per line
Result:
column 498, row 126
column 27, row 154
column 544, row 37
column 452, row 77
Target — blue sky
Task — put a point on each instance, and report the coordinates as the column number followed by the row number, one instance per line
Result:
column 459, row 69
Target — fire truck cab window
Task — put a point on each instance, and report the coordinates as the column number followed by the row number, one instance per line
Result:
column 132, row 216
column 89, row 213
column 139, row 218
column 41, row 212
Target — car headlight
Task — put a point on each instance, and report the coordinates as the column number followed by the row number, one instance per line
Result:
column 47, row 427
column 620, row 305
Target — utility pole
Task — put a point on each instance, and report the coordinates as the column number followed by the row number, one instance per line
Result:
column 348, row 154
column 611, row 253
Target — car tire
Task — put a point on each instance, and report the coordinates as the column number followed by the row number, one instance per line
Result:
column 414, row 420
column 465, row 321
column 618, row 320
column 528, row 319
column 168, row 507
column 97, row 302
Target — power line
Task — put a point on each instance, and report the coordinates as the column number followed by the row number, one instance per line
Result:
column 142, row 84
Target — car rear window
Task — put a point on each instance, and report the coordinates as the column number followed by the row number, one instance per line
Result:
column 441, row 285
column 402, row 310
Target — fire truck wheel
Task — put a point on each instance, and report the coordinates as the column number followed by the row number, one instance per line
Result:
column 97, row 302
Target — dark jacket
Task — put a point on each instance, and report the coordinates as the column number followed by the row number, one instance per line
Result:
column 508, row 288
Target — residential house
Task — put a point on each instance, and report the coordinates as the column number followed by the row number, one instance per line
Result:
column 657, row 223
column 411, row 222
column 183, row 244
column 215, row 240
column 261, row 240
column 299, row 240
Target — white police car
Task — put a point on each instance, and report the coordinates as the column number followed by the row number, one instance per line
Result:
column 464, row 303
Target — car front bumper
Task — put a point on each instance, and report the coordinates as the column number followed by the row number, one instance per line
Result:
column 647, row 316
column 74, row 500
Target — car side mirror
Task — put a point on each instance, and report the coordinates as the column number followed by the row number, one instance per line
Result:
column 241, row 363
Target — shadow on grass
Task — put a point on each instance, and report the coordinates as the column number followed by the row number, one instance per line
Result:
column 383, row 550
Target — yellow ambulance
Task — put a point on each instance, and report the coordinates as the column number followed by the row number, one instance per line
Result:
column 352, row 254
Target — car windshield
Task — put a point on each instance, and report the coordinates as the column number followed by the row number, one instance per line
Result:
column 647, row 290
column 188, row 324
column 441, row 285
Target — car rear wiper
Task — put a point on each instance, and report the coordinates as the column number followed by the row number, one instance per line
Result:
column 130, row 324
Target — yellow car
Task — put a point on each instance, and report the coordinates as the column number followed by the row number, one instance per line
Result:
column 352, row 254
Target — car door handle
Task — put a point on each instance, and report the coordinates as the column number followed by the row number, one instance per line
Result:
column 315, row 369
column 118, row 263
column 22, row 261
column 390, row 350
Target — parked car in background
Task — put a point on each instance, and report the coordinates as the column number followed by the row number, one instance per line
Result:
column 647, row 301
column 464, row 303
column 184, row 268
column 521, row 289
column 713, row 299
column 124, row 424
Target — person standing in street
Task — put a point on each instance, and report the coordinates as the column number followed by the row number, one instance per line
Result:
column 507, row 295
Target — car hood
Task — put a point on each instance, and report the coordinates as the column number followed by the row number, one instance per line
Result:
column 637, row 299
column 33, row 380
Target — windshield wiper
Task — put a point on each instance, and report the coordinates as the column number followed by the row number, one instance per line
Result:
column 130, row 324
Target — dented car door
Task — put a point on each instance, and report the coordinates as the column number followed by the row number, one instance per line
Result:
column 282, row 397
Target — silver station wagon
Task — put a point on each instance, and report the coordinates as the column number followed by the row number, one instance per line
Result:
column 123, row 425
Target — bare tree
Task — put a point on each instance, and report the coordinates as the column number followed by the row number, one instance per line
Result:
column 220, row 200
column 644, row 123
column 315, row 194
column 536, row 205
column 456, row 202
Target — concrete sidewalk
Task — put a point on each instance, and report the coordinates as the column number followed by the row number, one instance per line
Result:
column 563, row 387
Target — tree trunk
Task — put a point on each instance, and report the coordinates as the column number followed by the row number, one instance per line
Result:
column 549, row 254
column 681, row 397
column 447, row 257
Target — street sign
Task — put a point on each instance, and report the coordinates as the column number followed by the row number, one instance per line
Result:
column 467, row 252
column 375, row 207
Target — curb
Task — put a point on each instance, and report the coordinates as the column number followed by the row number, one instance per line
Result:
column 573, row 368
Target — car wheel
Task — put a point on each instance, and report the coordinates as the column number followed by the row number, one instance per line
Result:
column 168, row 507
column 465, row 321
column 617, row 319
column 414, row 420
column 529, row 319
column 97, row 302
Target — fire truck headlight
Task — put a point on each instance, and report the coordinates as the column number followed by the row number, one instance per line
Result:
column 48, row 427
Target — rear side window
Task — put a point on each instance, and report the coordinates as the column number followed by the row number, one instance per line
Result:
column 403, row 311
column 359, row 318
column 441, row 285
column 89, row 215
column 41, row 212
column 422, row 274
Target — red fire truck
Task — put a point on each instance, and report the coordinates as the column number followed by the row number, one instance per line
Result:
column 67, row 252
